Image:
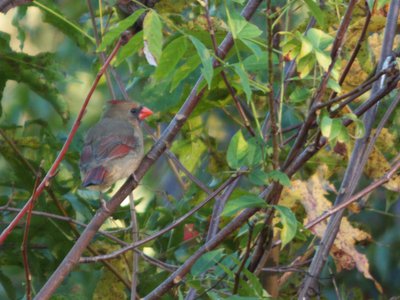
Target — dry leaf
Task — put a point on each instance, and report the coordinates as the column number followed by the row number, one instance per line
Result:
column 312, row 194
column 377, row 166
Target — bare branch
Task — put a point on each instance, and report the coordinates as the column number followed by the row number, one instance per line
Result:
column 355, row 166
column 51, row 173
column 165, row 229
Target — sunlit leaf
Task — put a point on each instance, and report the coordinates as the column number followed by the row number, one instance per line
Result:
column 237, row 150
column 244, row 80
column 206, row 60
column 323, row 59
column 116, row 32
column 170, row 57
column 53, row 16
column 39, row 73
column 152, row 34
column 306, row 47
column 289, row 224
column 131, row 48
column 305, row 65
column 319, row 39
column 184, row 71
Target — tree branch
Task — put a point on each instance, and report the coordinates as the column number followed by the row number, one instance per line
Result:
column 354, row 168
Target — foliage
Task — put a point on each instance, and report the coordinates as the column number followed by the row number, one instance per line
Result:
column 47, row 65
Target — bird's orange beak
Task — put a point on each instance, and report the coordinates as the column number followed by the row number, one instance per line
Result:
column 144, row 113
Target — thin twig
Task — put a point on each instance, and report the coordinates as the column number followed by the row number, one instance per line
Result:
column 215, row 222
column 356, row 48
column 53, row 170
column 355, row 93
column 377, row 183
column 101, row 54
column 316, row 99
column 24, row 245
column 106, row 234
column 135, row 238
column 168, row 136
column 58, row 205
column 172, row 157
column 356, row 165
column 244, row 260
column 165, row 229
column 271, row 97
column 231, row 90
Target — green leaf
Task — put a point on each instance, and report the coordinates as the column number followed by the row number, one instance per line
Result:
column 184, row 71
column 306, row 47
column 254, row 63
column 206, row 59
column 8, row 287
column 323, row 59
column 242, row 202
column 289, row 224
column 53, row 16
column 131, row 48
column 336, row 128
column 38, row 72
column 371, row 4
column 241, row 28
column 331, row 128
column 170, row 57
column 360, row 128
column 258, row 177
column 256, row 49
column 244, row 80
column 227, row 265
column 255, row 285
column 291, row 48
column 20, row 14
column 305, row 65
column 300, row 95
column 343, row 135
column 319, row 39
column 237, row 150
column 279, row 176
column 334, row 85
column 326, row 125
column 116, row 32
column 206, row 261
column 254, row 154
column 316, row 12
column 152, row 34
column 242, row 152
column 191, row 150
column 380, row 4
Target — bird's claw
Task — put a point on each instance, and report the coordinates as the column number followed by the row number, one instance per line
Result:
column 104, row 206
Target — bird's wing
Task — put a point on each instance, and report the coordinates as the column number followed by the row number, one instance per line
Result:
column 104, row 143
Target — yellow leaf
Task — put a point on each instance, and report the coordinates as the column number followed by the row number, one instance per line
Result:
column 377, row 166
column 312, row 195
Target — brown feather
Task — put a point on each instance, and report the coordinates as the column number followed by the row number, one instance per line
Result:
column 113, row 147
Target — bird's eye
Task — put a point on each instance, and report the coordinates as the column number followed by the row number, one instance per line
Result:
column 134, row 110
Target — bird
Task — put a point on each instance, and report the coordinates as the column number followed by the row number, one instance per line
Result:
column 113, row 147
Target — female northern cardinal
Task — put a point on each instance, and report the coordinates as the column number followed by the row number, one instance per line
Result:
column 113, row 147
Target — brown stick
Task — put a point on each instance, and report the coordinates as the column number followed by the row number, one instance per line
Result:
column 53, row 169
